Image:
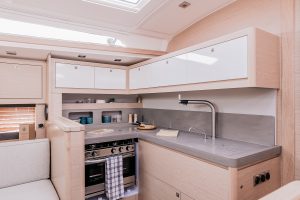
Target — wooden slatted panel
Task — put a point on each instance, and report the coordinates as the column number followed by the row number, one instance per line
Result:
column 12, row 117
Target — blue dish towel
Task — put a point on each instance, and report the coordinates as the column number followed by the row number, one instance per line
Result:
column 114, row 183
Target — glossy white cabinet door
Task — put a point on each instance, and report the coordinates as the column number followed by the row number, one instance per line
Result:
column 108, row 78
column 21, row 81
column 134, row 78
column 168, row 72
column 140, row 77
column 223, row 61
column 74, row 76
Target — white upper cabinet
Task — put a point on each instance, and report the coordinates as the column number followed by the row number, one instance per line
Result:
column 74, row 76
column 168, row 72
column 109, row 78
column 223, row 61
column 21, row 81
column 247, row 58
column 162, row 73
column 140, row 77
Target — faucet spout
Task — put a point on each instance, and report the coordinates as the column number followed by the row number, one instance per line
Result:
column 212, row 108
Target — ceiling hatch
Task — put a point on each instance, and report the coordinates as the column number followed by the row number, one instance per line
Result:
column 126, row 5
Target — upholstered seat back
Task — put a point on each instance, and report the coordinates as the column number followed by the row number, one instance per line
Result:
column 24, row 161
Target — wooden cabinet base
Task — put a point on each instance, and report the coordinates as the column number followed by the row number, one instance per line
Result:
column 135, row 197
column 164, row 172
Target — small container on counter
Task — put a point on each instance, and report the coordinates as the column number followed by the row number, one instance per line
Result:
column 135, row 118
column 106, row 119
column 89, row 120
column 130, row 119
column 114, row 119
column 83, row 120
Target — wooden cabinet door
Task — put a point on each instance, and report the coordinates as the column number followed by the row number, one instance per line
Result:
column 21, row 81
column 198, row 179
column 108, row 78
column 74, row 76
column 185, row 197
column 152, row 188
column 224, row 61
column 135, row 197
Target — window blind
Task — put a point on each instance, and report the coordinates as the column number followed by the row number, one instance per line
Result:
column 12, row 116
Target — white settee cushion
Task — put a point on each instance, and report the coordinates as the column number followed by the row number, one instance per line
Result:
column 24, row 161
column 38, row 190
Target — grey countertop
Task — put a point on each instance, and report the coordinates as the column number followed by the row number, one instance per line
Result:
column 225, row 152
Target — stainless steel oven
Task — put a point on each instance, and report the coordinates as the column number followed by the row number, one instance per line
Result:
column 95, row 155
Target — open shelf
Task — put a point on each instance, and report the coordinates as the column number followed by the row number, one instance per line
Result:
column 89, row 106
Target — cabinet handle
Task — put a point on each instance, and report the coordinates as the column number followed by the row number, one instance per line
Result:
column 75, row 67
column 212, row 50
column 110, row 70
column 167, row 62
column 177, row 194
column 139, row 69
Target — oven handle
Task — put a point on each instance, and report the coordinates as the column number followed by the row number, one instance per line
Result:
column 88, row 162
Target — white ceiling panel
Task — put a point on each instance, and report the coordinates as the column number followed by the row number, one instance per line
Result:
column 159, row 19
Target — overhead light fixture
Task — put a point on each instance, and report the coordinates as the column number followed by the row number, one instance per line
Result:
column 184, row 4
column 11, row 53
column 81, row 56
column 126, row 5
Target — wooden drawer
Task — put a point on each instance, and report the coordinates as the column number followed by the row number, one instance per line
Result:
column 196, row 178
column 152, row 188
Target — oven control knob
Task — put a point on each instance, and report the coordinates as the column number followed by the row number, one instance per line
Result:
column 121, row 149
column 128, row 148
column 113, row 150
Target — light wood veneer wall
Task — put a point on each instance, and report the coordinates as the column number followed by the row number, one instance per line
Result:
column 263, row 14
column 277, row 17
column 297, row 95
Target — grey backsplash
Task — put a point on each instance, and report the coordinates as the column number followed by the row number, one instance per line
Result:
column 249, row 128
column 257, row 129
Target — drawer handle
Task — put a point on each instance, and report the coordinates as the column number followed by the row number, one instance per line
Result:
column 177, row 194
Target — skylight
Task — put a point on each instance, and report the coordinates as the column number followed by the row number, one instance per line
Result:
column 49, row 32
column 127, row 5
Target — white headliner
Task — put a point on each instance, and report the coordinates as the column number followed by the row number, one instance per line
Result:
column 159, row 18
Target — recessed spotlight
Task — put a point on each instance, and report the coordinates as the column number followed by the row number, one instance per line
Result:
column 184, row 4
column 11, row 53
column 117, row 60
column 81, row 56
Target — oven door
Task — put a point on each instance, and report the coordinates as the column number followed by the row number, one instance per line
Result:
column 95, row 174
column 94, row 178
column 129, row 170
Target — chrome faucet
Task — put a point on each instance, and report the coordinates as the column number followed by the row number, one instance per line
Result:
column 213, row 112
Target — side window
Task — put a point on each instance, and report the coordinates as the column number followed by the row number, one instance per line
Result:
column 17, row 122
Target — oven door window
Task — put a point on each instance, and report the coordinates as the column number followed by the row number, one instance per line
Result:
column 129, row 166
column 94, row 174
